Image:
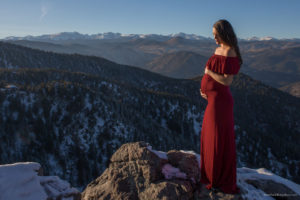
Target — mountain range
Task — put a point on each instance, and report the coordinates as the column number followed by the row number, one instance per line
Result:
column 273, row 61
column 70, row 112
column 111, row 35
column 104, row 36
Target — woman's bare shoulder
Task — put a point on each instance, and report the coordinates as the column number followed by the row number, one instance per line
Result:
column 230, row 52
column 219, row 51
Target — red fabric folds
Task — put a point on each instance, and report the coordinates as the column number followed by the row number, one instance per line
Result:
column 223, row 64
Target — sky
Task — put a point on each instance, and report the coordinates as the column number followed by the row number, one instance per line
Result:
column 260, row 18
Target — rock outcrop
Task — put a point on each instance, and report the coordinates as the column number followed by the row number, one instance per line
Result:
column 136, row 171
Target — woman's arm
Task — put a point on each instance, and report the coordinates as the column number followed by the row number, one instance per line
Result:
column 225, row 79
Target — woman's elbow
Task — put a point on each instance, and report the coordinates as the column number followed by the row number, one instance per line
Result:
column 228, row 82
column 228, row 79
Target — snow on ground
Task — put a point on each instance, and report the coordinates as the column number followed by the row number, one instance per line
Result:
column 173, row 107
column 245, row 173
column 164, row 123
column 197, row 119
column 88, row 105
column 21, row 181
column 160, row 154
column 170, row 172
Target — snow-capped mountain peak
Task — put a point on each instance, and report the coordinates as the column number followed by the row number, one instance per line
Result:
column 106, row 35
column 266, row 38
column 112, row 35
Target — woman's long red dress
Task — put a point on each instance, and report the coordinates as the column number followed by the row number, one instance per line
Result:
column 218, row 152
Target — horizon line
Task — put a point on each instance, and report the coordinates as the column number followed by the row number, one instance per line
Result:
column 128, row 34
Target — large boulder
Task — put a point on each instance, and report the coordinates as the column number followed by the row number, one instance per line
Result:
column 136, row 171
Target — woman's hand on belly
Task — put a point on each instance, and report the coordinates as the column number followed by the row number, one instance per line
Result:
column 203, row 95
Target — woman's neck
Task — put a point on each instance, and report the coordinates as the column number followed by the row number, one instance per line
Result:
column 224, row 46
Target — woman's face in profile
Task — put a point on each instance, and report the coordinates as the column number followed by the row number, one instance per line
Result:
column 216, row 36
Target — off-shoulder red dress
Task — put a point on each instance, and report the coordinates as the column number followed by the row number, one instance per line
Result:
column 218, row 150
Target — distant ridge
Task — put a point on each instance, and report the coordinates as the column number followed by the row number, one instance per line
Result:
column 102, row 36
column 111, row 35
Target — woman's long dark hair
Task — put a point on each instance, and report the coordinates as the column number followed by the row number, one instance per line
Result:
column 227, row 35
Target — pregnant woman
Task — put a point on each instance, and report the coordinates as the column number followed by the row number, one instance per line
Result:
column 218, row 153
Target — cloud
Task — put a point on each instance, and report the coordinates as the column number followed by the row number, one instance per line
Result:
column 44, row 12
